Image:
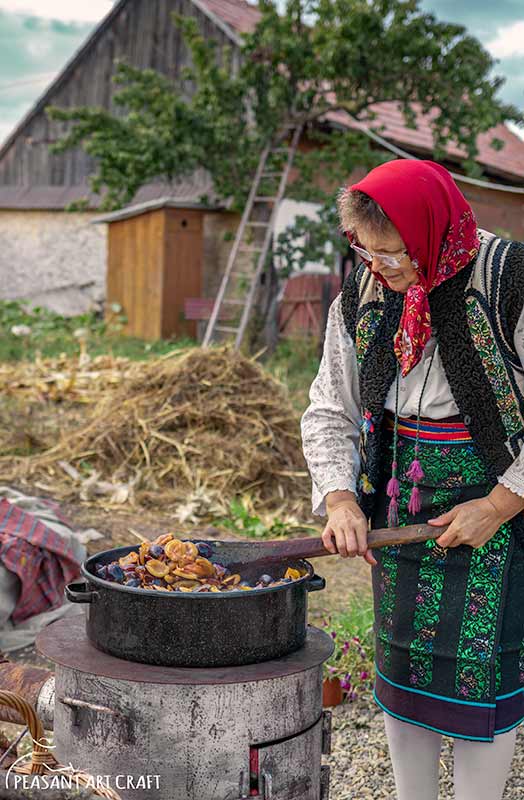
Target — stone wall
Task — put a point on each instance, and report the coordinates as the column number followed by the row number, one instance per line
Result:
column 52, row 258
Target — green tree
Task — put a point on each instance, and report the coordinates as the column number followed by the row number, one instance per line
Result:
column 312, row 57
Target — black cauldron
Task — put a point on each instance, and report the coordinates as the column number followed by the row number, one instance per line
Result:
column 196, row 629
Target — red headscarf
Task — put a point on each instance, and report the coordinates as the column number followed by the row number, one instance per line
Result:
column 439, row 230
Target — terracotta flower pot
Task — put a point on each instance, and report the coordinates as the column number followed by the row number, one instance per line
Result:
column 332, row 694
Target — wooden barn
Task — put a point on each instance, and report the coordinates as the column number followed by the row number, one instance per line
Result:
column 61, row 259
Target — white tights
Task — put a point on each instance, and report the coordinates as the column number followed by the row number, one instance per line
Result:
column 480, row 769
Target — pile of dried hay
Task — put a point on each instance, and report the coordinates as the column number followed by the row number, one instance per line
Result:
column 201, row 426
column 81, row 379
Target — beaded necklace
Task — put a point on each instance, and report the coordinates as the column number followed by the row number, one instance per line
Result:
column 415, row 472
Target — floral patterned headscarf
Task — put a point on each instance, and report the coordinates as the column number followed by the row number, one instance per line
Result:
column 439, row 230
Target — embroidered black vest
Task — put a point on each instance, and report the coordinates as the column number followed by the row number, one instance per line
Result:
column 474, row 315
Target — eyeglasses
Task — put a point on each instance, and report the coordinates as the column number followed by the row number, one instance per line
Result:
column 389, row 261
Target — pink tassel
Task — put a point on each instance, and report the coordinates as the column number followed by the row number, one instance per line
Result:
column 415, row 472
column 393, row 513
column 393, row 488
column 415, row 503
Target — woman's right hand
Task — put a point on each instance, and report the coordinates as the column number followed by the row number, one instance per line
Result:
column 347, row 529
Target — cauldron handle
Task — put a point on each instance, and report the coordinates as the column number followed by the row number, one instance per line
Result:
column 316, row 583
column 76, row 593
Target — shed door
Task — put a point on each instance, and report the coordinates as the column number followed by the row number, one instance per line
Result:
column 183, row 269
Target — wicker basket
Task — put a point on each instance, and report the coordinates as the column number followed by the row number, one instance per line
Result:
column 41, row 757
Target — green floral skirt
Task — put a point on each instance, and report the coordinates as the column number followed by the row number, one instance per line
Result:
column 448, row 623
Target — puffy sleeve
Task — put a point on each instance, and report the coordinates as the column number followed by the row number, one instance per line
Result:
column 330, row 426
column 513, row 477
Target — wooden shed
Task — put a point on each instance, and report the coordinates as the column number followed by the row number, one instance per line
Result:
column 154, row 262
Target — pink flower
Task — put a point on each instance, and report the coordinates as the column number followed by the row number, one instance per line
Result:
column 363, row 676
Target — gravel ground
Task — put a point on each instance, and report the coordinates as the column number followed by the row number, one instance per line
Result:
column 361, row 766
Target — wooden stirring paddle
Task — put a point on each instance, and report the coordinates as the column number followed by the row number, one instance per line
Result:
column 275, row 551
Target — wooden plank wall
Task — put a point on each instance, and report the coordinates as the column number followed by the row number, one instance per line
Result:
column 142, row 34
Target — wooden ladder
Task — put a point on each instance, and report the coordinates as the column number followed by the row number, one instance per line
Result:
column 238, row 286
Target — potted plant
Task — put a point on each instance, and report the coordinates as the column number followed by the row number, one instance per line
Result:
column 350, row 669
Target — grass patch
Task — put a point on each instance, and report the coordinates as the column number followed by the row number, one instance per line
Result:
column 242, row 520
column 295, row 363
column 24, row 333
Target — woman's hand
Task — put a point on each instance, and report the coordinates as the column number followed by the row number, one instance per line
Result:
column 473, row 523
column 346, row 531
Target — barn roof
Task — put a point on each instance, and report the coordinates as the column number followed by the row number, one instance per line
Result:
column 239, row 15
column 507, row 162
column 187, row 192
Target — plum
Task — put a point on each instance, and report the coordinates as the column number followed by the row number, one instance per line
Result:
column 101, row 571
column 115, row 573
column 204, row 549
column 266, row 579
column 134, row 582
column 156, row 550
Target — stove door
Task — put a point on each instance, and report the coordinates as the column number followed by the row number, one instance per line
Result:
column 291, row 769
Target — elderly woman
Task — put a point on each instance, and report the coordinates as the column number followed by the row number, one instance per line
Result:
column 415, row 415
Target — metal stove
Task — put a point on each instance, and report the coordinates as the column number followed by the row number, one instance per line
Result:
column 191, row 734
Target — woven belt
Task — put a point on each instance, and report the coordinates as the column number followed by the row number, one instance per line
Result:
column 430, row 431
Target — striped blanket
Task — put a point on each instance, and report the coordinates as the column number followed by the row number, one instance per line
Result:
column 40, row 558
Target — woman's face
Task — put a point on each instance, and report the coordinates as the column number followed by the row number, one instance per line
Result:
column 389, row 243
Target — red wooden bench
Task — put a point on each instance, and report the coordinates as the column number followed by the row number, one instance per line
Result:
column 201, row 308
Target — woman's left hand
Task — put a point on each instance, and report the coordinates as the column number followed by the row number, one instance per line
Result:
column 473, row 523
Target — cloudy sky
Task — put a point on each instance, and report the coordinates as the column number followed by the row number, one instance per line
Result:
column 37, row 37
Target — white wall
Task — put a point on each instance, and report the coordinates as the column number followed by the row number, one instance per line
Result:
column 53, row 258
column 287, row 211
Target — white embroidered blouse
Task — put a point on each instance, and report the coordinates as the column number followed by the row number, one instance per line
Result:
column 330, row 426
